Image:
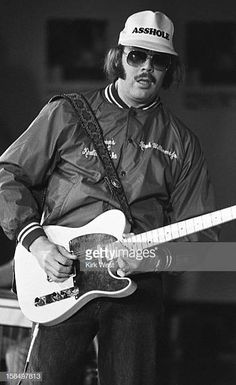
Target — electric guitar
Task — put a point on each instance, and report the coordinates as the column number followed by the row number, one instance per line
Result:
column 50, row 303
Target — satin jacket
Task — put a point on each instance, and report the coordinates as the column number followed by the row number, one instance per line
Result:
column 52, row 172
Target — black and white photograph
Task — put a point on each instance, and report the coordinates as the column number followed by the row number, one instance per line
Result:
column 117, row 192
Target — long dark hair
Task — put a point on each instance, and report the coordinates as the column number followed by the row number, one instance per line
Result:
column 114, row 69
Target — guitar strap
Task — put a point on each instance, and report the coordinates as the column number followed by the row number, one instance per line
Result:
column 90, row 123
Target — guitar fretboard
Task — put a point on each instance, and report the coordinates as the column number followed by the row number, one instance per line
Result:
column 183, row 228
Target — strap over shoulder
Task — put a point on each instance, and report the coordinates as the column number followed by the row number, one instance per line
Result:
column 73, row 96
column 92, row 127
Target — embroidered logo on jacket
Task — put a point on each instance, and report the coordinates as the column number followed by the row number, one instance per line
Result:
column 109, row 143
column 156, row 146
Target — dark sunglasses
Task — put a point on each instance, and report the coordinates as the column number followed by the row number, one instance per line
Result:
column 160, row 61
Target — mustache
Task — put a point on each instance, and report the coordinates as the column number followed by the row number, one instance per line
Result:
column 145, row 76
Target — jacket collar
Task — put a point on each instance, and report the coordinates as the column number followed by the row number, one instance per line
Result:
column 112, row 96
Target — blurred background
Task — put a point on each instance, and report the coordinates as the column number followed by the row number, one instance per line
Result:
column 49, row 47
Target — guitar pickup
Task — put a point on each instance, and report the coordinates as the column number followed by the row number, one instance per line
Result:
column 57, row 296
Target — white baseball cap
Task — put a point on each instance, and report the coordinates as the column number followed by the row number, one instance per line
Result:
column 149, row 30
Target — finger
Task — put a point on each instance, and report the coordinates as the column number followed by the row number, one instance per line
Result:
column 58, row 272
column 57, row 276
column 64, row 261
column 64, row 257
column 121, row 262
column 127, row 235
column 66, row 270
column 120, row 273
column 66, row 253
column 58, row 269
column 123, row 272
column 123, row 267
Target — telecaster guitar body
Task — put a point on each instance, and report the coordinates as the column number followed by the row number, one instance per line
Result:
column 50, row 303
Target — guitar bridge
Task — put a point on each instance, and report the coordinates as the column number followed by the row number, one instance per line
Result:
column 57, row 296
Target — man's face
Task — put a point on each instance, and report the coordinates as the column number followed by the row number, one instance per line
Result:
column 143, row 77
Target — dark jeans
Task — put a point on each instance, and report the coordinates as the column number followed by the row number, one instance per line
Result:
column 128, row 331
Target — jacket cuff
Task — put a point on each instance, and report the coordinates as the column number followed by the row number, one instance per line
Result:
column 29, row 233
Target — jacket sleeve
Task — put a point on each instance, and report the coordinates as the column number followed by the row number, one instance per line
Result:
column 193, row 193
column 24, row 169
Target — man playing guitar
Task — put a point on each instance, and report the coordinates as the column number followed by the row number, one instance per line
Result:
column 52, row 175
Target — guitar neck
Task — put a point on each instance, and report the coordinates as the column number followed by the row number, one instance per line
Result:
column 183, row 228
